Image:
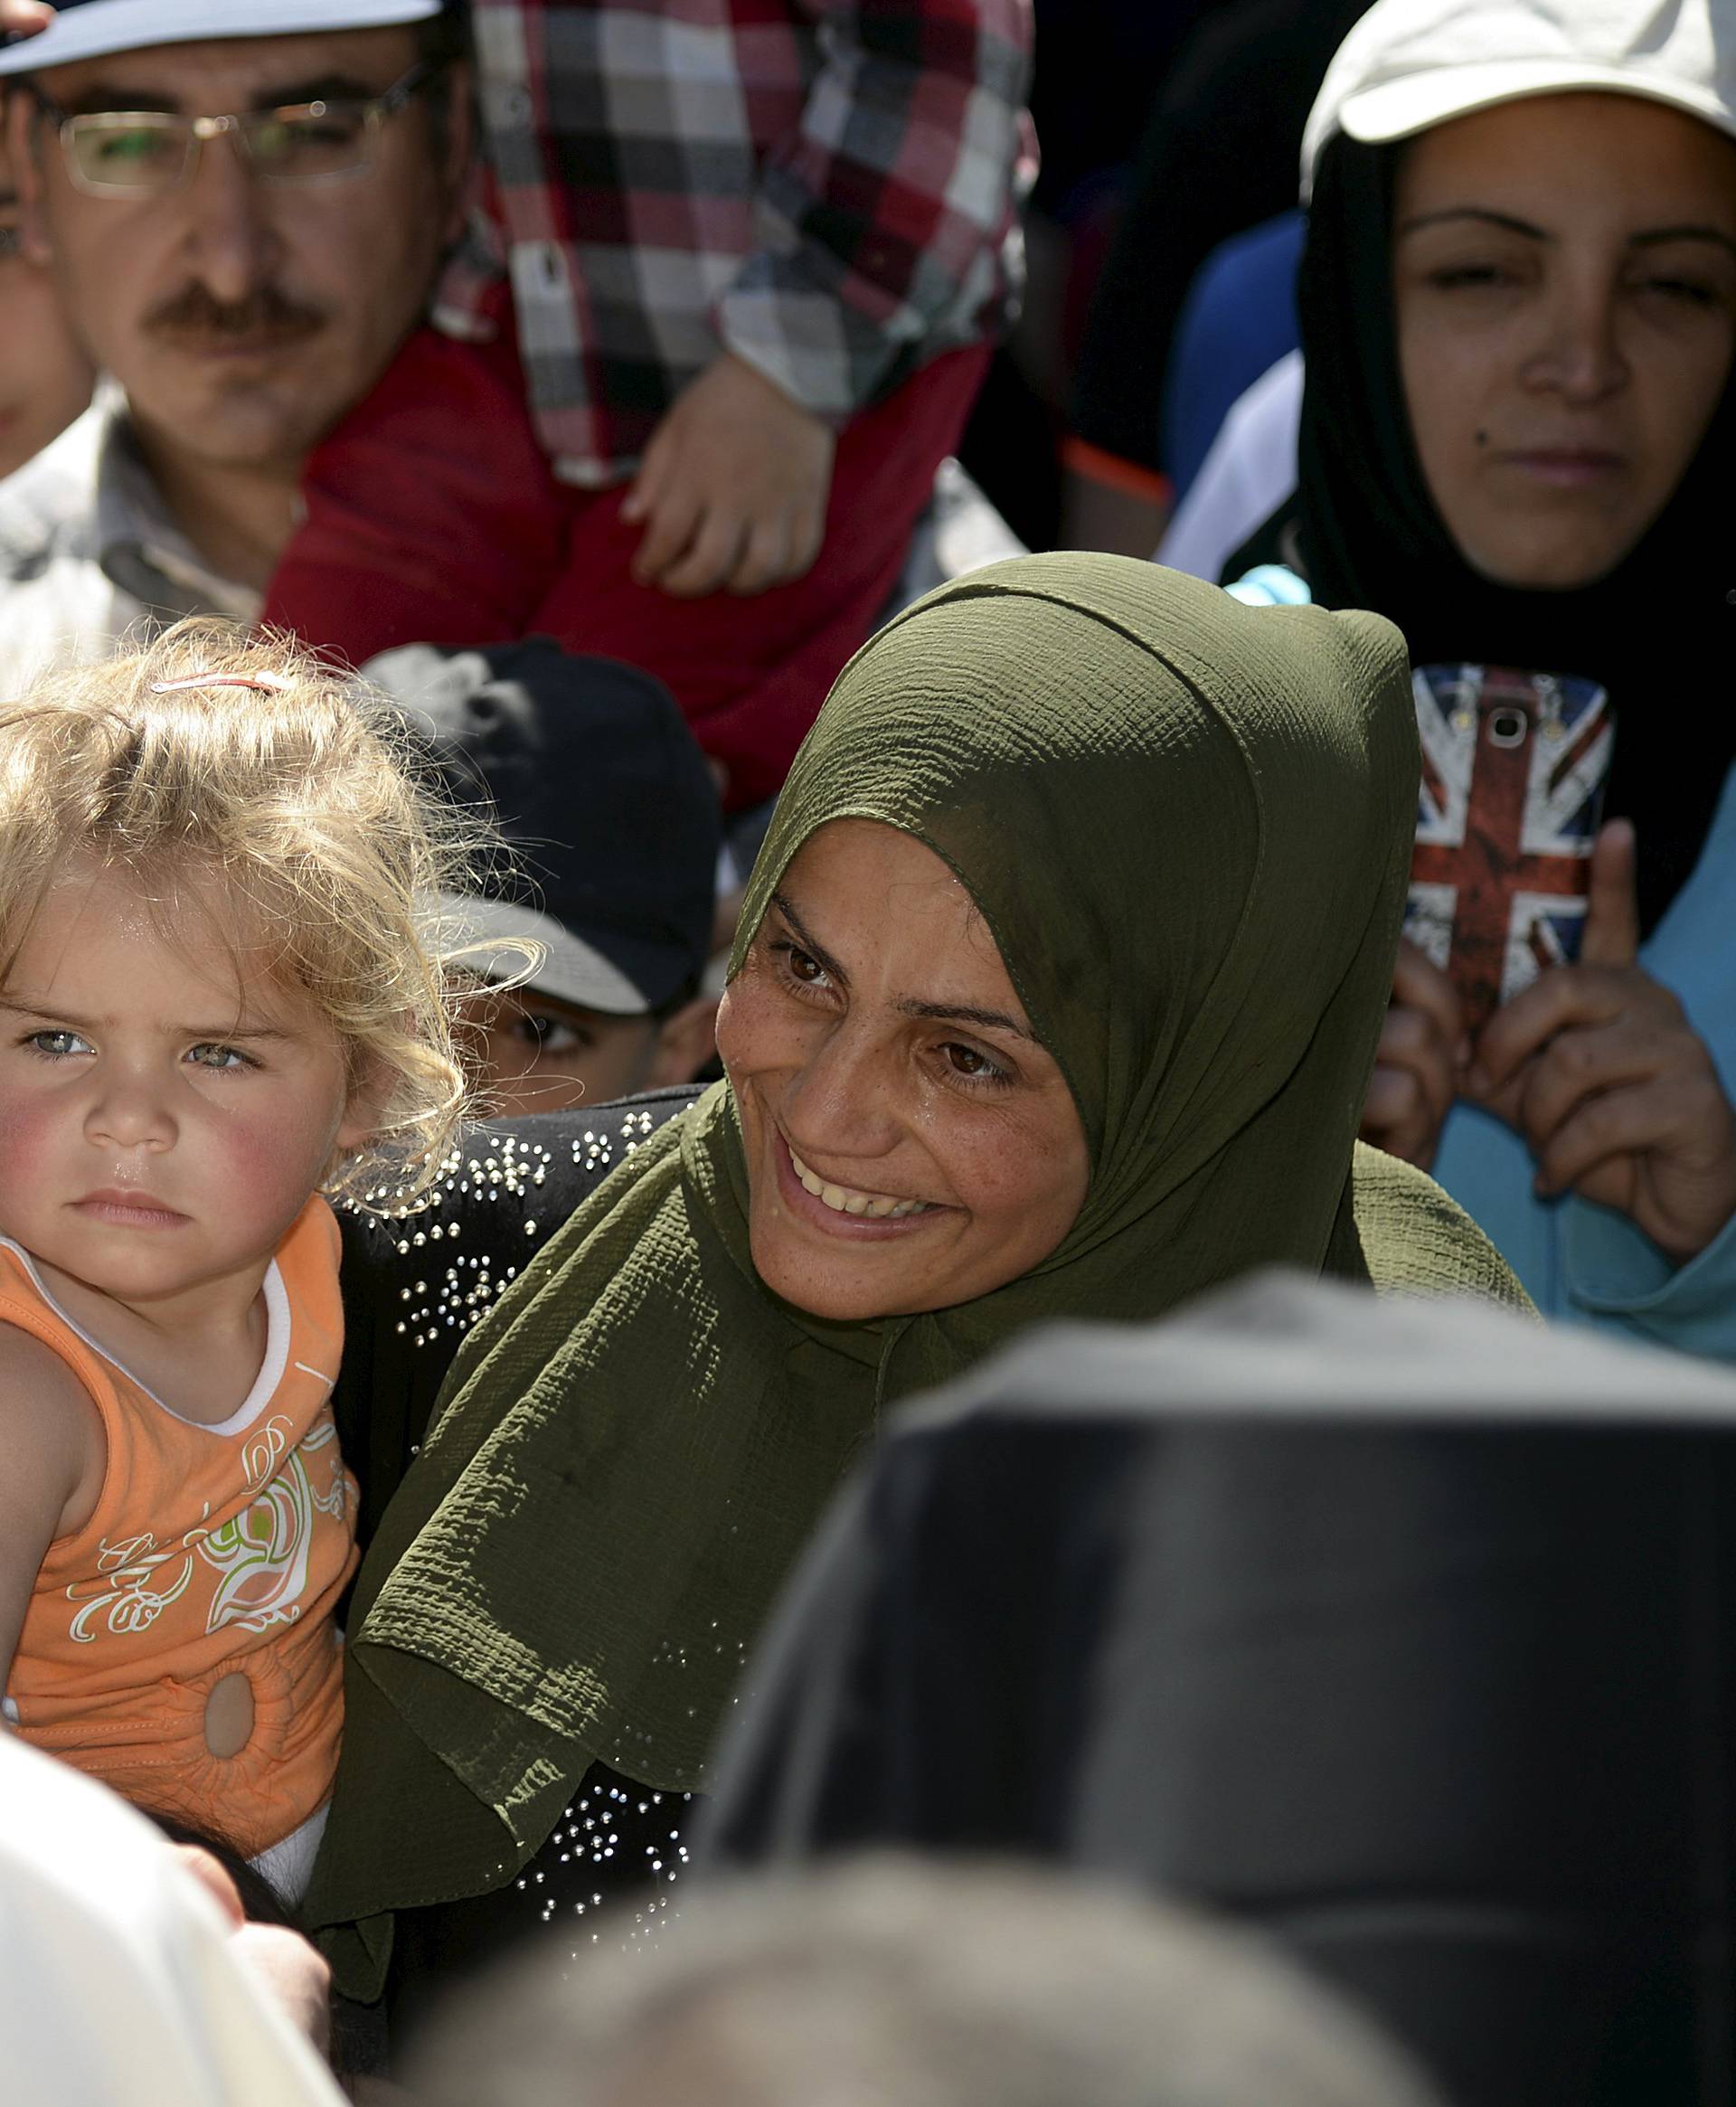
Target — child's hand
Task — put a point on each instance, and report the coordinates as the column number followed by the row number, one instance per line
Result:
column 732, row 487
column 24, row 17
column 291, row 1971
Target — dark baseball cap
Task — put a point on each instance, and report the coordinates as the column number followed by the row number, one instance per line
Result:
column 604, row 797
column 92, row 29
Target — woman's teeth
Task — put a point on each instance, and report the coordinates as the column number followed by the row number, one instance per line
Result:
column 843, row 1200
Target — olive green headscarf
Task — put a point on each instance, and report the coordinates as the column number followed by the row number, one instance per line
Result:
column 1187, row 824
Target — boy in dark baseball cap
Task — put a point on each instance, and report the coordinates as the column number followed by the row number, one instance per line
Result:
column 612, row 814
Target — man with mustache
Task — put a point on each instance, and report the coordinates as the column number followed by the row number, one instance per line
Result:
column 244, row 220
column 754, row 253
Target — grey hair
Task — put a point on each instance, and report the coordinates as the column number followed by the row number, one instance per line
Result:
column 895, row 1982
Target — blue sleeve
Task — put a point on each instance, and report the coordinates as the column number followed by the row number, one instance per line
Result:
column 1585, row 1264
column 1615, row 1275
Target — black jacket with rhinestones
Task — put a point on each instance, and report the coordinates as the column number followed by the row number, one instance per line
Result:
column 412, row 1287
column 411, row 1290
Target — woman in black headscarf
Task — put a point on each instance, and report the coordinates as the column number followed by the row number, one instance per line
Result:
column 1518, row 308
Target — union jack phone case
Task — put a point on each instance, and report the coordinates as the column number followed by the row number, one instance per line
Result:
column 1514, row 769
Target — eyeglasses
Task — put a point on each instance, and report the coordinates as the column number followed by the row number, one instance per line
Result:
column 143, row 153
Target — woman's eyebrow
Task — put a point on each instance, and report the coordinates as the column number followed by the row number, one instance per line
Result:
column 1656, row 237
column 954, row 1012
column 959, row 1013
column 1653, row 237
column 821, row 957
column 1482, row 213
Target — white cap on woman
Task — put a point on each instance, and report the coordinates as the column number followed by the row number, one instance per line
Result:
column 1411, row 65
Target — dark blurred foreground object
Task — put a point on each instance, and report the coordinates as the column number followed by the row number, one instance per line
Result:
column 1399, row 1629
column 923, row 1985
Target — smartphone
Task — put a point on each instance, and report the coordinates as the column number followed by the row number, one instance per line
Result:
column 1514, row 769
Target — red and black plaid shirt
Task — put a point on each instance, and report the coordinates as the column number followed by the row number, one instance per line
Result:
column 825, row 187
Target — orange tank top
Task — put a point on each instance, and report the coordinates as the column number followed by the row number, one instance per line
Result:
column 211, row 1551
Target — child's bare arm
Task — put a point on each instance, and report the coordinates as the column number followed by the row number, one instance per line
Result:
column 51, row 1458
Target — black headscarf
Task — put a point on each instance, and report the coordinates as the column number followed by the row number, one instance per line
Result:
column 1659, row 632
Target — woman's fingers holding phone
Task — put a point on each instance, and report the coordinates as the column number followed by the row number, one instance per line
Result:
column 1417, row 1067
column 1595, row 1064
column 1542, row 1053
column 1661, row 1151
column 1612, row 899
column 1419, row 985
column 1397, row 1117
column 1607, row 983
column 1601, row 1071
column 1566, row 998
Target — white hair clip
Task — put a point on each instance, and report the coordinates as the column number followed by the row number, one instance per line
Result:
column 265, row 684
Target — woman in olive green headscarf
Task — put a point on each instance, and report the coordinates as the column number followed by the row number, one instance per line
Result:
column 1056, row 993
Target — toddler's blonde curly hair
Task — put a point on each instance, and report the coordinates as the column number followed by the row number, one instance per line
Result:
column 220, row 754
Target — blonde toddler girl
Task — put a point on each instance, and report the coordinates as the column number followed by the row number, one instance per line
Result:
column 222, row 996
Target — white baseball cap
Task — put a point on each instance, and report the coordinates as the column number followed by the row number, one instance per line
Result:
column 92, row 29
column 1411, row 64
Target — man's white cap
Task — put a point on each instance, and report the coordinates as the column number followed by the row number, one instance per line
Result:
column 92, row 29
column 1411, row 64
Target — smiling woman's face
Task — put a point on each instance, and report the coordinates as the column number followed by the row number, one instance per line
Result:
column 909, row 1145
column 1565, row 270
